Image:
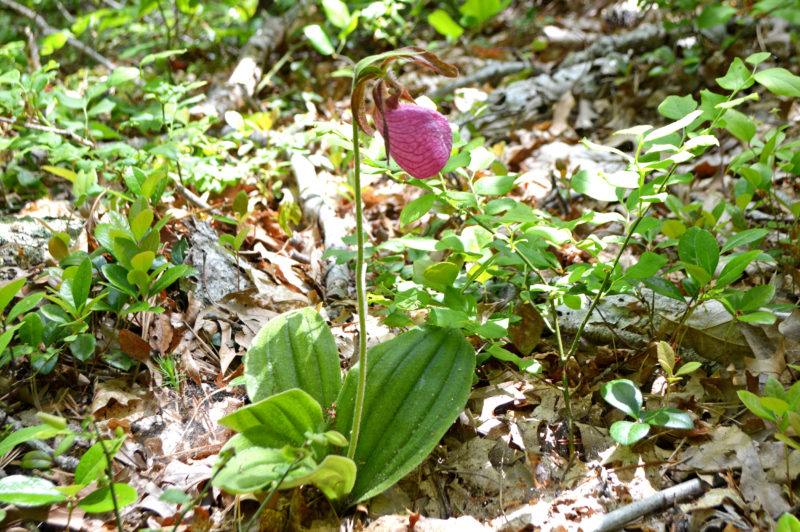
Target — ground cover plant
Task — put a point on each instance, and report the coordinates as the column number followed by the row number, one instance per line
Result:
column 482, row 264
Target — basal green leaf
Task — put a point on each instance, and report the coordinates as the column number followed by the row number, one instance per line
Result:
column 282, row 419
column 294, row 350
column 417, row 385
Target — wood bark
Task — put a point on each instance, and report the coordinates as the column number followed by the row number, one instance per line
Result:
column 239, row 89
column 337, row 276
column 585, row 73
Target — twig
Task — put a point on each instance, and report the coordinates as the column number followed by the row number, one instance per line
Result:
column 47, row 29
column 661, row 500
column 38, row 127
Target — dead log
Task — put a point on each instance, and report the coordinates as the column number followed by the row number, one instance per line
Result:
column 585, row 73
column 240, row 87
column 332, row 227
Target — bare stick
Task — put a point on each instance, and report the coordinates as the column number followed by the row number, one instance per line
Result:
column 38, row 127
column 661, row 500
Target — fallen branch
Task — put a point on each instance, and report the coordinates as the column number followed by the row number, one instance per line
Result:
column 47, row 29
column 585, row 74
column 240, row 87
column 48, row 129
column 661, row 500
column 337, row 276
column 493, row 72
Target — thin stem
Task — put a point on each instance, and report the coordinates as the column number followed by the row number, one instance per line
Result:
column 361, row 298
column 110, row 473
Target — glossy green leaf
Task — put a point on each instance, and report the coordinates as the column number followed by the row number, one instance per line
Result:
column 698, row 247
column 417, row 384
column 441, row 275
column 671, row 418
column 623, row 394
column 83, row 347
column 37, row 432
column 443, row 23
column 756, row 297
column 100, row 500
column 143, row 261
column 648, row 265
column 791, row 442
column 117, row 276
column 495, row 185
column 319, row 39
column 788, row 523
column 734, row 268
column 169, row 276
column 24, row 305
column 743, row 238
column 29, row 491
column 752, row 402
column 91, row 465
column 758, row 317
column 628, row 432
column 337, row 13
column 140, row 224
column 715, row 14
column 737, row 77
column 8, row 292
column 687, row 368
column 669, row 129
column 779, row 81
column 664, row 287
column 294, row 350
column 37, row 460
column 594, row 186
column 676, row 107
column 82, row 283
column 417, row 209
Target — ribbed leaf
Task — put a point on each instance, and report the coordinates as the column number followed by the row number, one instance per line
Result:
column 417, row 384
column 294, row 350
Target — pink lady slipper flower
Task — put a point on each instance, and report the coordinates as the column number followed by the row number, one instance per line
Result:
column 417, row 138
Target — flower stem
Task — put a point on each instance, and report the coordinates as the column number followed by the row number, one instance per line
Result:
column 361, row 296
